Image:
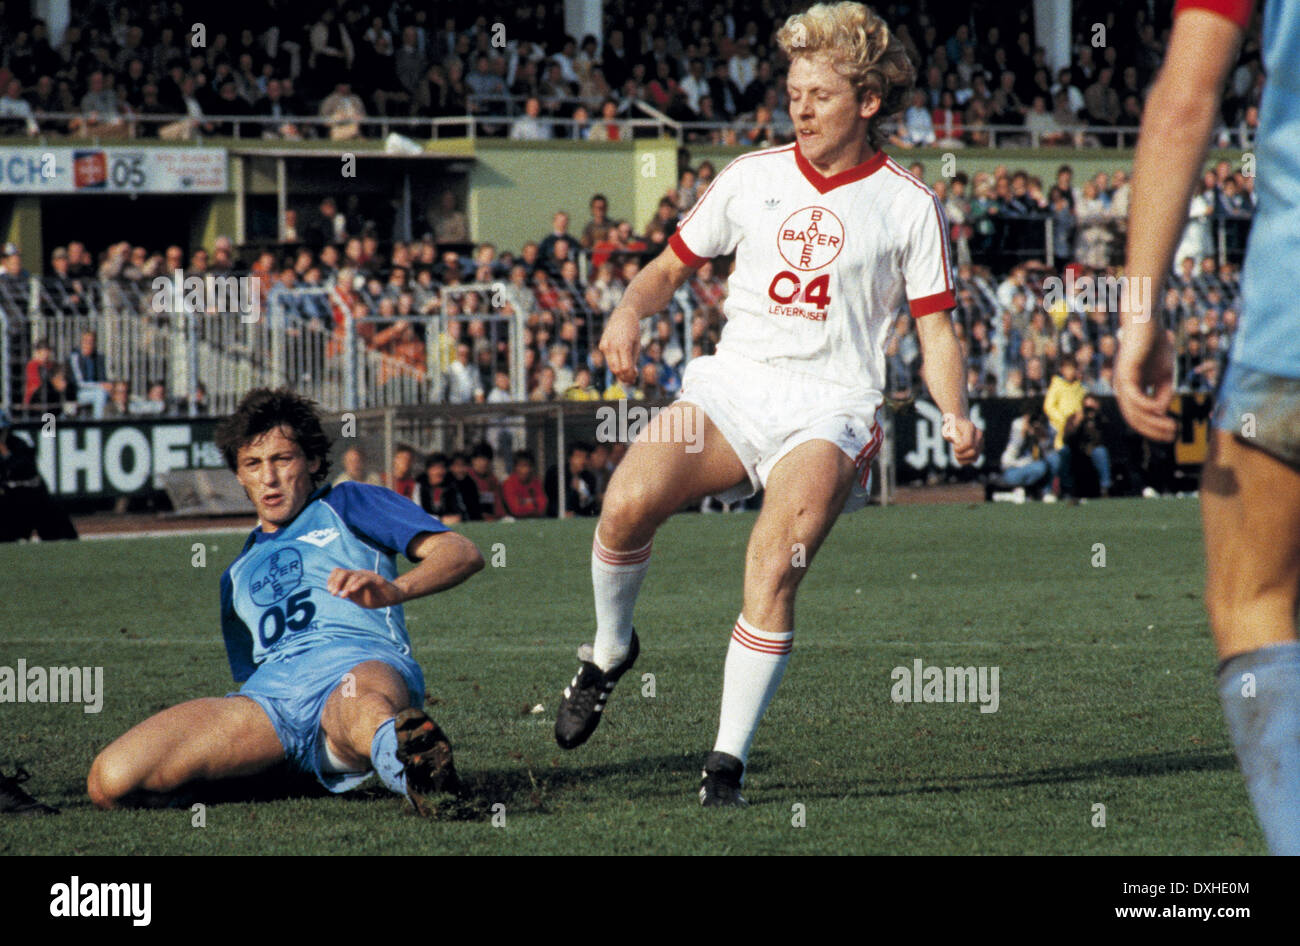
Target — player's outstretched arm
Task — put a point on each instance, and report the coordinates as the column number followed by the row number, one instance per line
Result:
column 445, row 560
column 945, row 377
column 1177, row 122
column 647, row 294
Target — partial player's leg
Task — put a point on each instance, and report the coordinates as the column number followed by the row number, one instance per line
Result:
column 209, row 738
column 369, row 721
column 805, row 493
column 1250, row 504
column 659, row 475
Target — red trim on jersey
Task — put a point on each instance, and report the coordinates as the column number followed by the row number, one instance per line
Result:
column 684, row 252
column 1238, row 11
column 825, row 184
column 944, row 262
column 944, row 248
column 935, row 303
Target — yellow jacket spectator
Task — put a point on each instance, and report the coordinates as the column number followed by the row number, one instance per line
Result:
column 616, row 392
column 1064, row 398
column 582, row 388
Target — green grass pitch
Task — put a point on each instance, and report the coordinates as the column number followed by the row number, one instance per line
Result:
column 1106, row 694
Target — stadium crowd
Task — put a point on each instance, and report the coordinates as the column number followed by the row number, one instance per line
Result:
column 1016, row 324
column 199, row 68
column 1016, row 239
column 464, row 487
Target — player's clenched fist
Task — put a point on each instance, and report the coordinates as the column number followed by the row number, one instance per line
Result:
column 621, row 344
column 967, row 440
column 368, row 589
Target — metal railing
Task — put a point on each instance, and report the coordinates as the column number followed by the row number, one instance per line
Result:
column 495, row 115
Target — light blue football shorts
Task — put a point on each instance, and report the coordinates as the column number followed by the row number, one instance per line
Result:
column 293, row 692
column 1261, row 410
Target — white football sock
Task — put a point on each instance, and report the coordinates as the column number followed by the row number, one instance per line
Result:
column 755, row 663
column 616, row 579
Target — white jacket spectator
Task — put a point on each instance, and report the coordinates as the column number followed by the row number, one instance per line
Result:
column 530, row 127
column 462, row 378
column 15, row 110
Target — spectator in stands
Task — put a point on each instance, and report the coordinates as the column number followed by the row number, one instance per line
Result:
column 401, row 479
column 917, row 128
column 120, row 403
column 276, row 105
column 192, row 107
column 463, row 385
column 16, row 114
column 599, row 226
column 1086, row 454
column 1029, row 461
column 90, row 375
column 522, row 492
column 608, row 127
column 332, row 50
column 1064, row 399
column 39, row 368
column 531, row 127
column 582, row 389
column 601, row 465
column 559, row 231
column 354, row 469
column 1101, row 102
column 155, row 403
column 486, row 482
column 436, row 495
column 343, row 112
column 459, row 477
column 662, row 224
column 579, row 484
column 101, row 110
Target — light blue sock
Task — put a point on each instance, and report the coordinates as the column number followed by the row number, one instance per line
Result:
column 383, row 756
column 1260, row 692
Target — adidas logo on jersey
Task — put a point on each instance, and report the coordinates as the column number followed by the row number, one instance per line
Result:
column 320, row 538
column 772, row 203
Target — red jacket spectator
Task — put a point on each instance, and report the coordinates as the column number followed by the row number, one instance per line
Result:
column 524, row 500
column 39, row 369
column 947, row 124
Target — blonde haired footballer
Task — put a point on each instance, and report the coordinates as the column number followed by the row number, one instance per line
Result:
column 831, row 237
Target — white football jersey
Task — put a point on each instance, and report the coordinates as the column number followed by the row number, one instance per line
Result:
column 823, row 264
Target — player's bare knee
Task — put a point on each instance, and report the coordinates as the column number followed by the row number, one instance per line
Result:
column 626, row 515
column 108, row 781
column 773, row 577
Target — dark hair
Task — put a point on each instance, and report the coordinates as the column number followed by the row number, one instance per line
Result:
column 524, row 456
column 460, row 456
column 483, row 449
column 263, row 409
column 436, row 459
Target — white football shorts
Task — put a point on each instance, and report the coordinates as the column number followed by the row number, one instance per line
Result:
column 765, row 411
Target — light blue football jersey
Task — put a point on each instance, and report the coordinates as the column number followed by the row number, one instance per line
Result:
column 1268, row 338
column 274, row 600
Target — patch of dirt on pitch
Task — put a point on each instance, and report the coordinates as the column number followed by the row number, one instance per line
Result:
column 944, row 493
column 109, row 523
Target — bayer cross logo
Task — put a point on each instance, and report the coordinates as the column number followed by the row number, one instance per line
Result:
column 810, row 238
column 276, row 576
